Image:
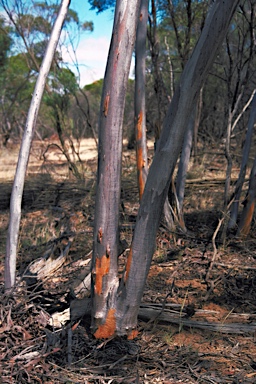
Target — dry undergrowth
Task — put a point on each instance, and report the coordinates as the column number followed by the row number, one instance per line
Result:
column 58, row 210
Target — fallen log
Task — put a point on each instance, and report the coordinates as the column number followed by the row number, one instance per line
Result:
column 173, row 314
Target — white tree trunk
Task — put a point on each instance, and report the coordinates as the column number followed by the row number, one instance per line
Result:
column 18, row 185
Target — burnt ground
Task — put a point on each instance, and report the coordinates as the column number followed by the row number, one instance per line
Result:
column 211, row 337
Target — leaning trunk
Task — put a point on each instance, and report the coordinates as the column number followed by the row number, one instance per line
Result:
column 18, row 184
column 161, row 170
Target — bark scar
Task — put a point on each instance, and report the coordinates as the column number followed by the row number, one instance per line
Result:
column 107, row 329
column 99, row 235
column 106, row 104
column 102, row 269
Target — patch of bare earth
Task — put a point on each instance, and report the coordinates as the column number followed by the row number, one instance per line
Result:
column 192, row 329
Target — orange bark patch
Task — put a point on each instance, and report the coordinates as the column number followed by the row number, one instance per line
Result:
column 134, row 333
column 247, row 219
column 140, row 160
column 140, row 166
column 139, row 126
column 107, row 329
column 102, row 269
column 128, row 265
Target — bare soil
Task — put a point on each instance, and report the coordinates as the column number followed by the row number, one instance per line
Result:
column 194, row 347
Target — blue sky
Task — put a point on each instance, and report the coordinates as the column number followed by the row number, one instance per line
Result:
column 92, row 49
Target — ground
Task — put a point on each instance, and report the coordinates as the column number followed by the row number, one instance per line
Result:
column 202, row 326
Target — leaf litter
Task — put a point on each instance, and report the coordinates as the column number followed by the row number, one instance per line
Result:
column 188, row 335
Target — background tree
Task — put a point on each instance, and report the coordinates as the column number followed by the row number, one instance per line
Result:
column 31, row 27
column 140, row 97
column 246, row 151
column 249, row 204
column 238, row 73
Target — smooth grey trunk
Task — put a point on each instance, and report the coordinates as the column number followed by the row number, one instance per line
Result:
column 246, row 151
column 105, row 278
column 161, row 170
column 229, row 161
column 185, row 157
column 19, row 179
column 184, row 161
column 140, row 97
column 197, row 122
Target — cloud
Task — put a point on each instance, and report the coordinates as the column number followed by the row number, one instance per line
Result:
column 91, row 56
column 93, row 49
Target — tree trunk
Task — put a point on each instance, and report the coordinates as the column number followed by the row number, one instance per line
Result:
column 246, row 151
column 161, row 170
column 229, row 161
column 185, row 157
column 162, row 99
column 249, row 205
column 105, row 280
column 18, row 185
column 115, row 304
column 197, row 122
column 140, row 100
column 183, row 168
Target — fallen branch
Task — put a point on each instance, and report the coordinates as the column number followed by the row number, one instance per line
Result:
column 146, row 313
column 173, row 314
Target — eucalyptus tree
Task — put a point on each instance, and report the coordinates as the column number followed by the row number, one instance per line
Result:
column 115, row 301
column 106, row 224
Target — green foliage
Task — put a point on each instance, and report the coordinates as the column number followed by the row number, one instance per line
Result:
column 5, row 41
column 87, row 26
column 94, row 91
column 95, row 88
column 66, row 81
column 31, row 25
column 32, row 28
column 102, row 5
